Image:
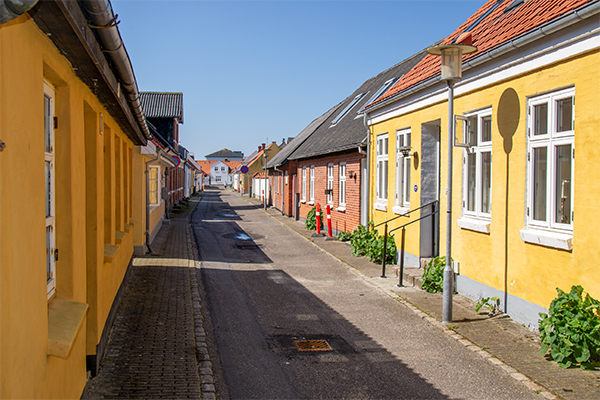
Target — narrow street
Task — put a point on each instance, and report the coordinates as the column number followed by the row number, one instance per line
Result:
column 269, row 292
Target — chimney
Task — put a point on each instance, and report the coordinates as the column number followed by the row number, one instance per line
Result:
column 259, row 147
column 263, row 146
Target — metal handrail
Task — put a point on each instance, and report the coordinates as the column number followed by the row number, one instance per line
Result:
column 406, row 213
column 403, row 227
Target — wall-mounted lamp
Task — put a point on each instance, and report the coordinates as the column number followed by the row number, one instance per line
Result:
column 351, row 174
column 2, row 144
column 405, row 150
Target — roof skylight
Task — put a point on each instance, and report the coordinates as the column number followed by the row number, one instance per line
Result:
column 347, row 109
column 381, row 91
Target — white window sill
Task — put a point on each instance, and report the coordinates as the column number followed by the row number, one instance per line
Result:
column 312, row 202
column 341, row 209
column 474, row 224
column 400, row 210
column 380, row 206
column 303, row 201
column 563, row 241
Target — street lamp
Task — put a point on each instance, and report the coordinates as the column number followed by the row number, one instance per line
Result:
column 451, row 73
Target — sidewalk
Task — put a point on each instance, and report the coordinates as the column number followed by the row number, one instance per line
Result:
column 157, row 347
column 500, row 340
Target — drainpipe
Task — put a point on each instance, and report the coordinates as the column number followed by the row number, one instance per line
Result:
column 368, row 174
column 148, row 202
column 104, row 22
column 281, row 188
column 11, row 9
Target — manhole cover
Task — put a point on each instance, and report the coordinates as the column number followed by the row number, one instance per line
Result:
column 312, row 345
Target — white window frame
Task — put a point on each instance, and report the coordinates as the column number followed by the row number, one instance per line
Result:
column 312, row 185
column 402, row 187
column 158, row 184
column 342, row 189
column 547, row 231
column 50, row 179
column 478, row 150
column 304, row 184
column 330, row 183
column 381, row 174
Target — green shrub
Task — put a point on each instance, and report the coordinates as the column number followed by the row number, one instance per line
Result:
column 433, row 275
column 570, row 332
column 311, row 220
column 344, row 236
column 366, row 241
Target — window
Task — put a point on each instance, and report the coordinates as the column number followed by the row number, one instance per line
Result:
column 403, row 160
column 222, row 169
column 477, row 166
column 381, row 183
column 346, row 110
column 153, row 185
column 312, row 184
column 218, row 178
column 49, row 153
column 286, row 177
column 304, row 184
column 382, row 90
column 329, row 183
column 342, row 192
column 550, row 159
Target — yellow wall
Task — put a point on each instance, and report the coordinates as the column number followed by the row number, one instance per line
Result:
column 534, row 271
column 27, row 58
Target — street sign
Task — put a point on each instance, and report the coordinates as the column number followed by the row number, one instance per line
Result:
column 244, row 169
column 177, row 161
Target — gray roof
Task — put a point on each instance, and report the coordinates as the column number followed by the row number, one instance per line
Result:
column 282, row 157
column 162, row 105
column 340, row 133
column 226, row 153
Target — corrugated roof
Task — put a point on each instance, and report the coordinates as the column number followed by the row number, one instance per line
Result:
column 349, row 132
column 162, row 105
column 493, row 30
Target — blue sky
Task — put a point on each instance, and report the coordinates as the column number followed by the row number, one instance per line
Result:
column 252, row 71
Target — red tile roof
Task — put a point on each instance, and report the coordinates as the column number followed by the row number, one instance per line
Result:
column 494, row 29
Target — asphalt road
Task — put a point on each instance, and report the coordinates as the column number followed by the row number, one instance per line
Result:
column 268, row 292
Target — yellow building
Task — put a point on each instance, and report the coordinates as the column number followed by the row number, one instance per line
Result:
column 524, row 200
column 69, row 121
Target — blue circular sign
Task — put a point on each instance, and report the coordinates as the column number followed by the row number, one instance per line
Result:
column 244, row 169
column 416, row 188
column 177, row 161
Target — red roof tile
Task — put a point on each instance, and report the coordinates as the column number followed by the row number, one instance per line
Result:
column 496, row 28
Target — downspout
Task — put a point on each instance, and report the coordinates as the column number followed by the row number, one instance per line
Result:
column 148, row 202
column 104, row 22
column 281, row 188
column 368, row 174
column 11, row 9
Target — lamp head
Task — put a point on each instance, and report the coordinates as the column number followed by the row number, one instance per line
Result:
column 452, row 59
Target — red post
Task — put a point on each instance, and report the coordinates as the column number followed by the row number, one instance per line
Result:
column 263, row 197
column 318, row 218
column 329, row 220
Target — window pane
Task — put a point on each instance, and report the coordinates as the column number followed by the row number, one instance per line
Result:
column 385, row 146
column 486, row 129
column 153, row 173
column 153, row 197
column 385, row 178
column 407, row 180
column 153, row 186
column 471, row 180
column 486, row 182
column 48, row 123
column 540, row 119
column 48, row 189
column 564, row 115
column 563, row 184
column 407, row 139
column 49, row 255
column 472, row 126
column 540, row 162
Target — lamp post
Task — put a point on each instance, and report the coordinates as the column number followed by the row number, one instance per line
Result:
column 451, row 73
column 266, row 179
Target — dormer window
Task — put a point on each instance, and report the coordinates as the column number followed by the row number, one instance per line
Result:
column 347, row 109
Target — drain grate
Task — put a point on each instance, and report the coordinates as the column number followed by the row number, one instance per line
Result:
column 312, row 345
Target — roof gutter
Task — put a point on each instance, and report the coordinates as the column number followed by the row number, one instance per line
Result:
column 105, row 23
column 11, row 9
column 549, row 28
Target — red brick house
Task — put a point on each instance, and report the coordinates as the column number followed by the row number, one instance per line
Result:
column 328, row 162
